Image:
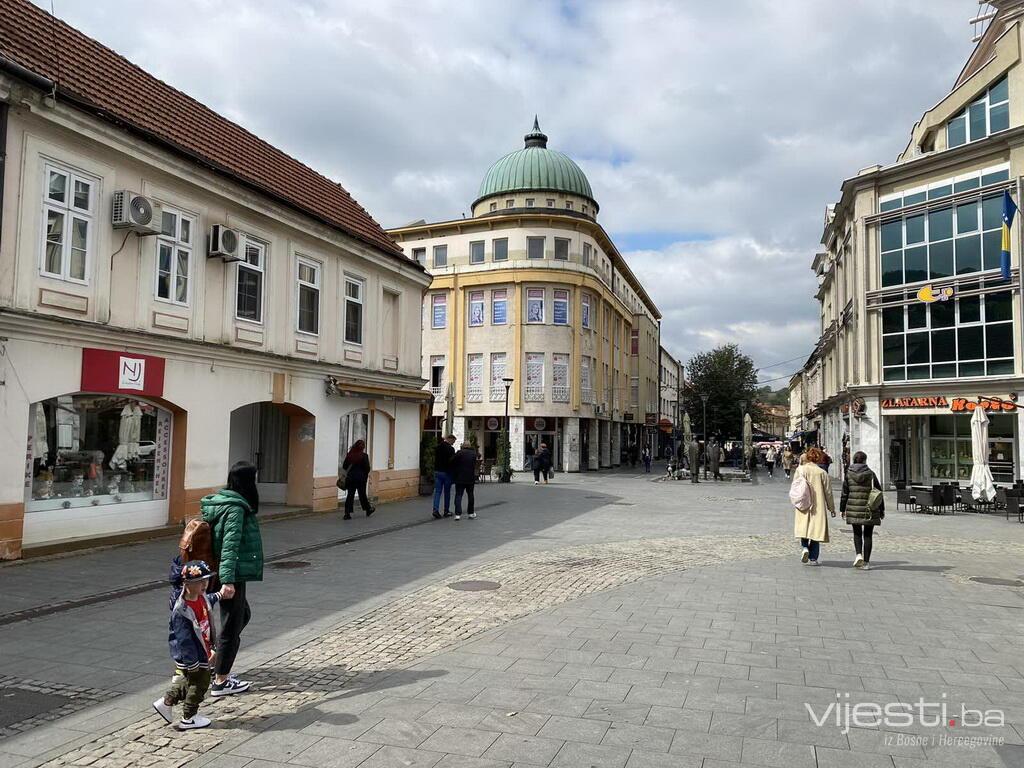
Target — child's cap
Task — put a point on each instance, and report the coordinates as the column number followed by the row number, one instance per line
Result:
column 195, row 570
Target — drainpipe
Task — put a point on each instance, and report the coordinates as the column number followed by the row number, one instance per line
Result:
column 3, row 161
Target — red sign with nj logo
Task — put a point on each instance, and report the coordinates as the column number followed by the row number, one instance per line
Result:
column 122, row 373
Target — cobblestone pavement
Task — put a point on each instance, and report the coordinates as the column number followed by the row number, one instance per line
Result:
column 628, row 651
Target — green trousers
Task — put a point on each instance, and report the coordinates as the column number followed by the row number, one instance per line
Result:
column 188, row 687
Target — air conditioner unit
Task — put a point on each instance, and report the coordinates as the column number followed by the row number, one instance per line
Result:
column 133, row 211
column 225, row 243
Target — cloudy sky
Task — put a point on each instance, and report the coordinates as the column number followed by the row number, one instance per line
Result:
column 713, row 134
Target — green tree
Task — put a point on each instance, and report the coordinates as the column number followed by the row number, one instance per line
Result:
column 726, row 376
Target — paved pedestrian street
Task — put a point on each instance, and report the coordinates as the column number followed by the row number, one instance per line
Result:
column 609, row 620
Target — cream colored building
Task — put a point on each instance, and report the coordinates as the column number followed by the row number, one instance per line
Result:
column 896, row 372
column 670, row 391
column 531, row 288
column 137, row 360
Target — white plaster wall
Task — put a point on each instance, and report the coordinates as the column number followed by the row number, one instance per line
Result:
column 517, row 438
column 571, row 449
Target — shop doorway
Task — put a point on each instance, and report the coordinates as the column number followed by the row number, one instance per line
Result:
column 584, row 445
column 278, row 439
column 898, row 462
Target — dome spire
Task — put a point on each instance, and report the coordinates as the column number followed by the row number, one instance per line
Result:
column 536, row 137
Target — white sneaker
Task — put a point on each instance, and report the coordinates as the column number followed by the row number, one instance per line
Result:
column 866, row 567
column 472, row 515
column 536, row 482
column 858, row 561
column 458, row 517
column 195, row 722
column 166, row 712
column 805, row 555
column 813, row 562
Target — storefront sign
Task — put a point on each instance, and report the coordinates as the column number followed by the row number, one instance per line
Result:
column 938, row 401
column 990, row 404
column 954, row 404
column 493, row 424
column 105, row 370
column 539, row 424
column 627, row 416
column 929, row 295
column 650, row 420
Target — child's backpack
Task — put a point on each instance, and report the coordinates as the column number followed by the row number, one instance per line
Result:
column 196, row 543
column 800, row 493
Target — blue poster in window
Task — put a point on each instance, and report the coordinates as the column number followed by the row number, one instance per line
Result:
column 499, row 313
column 561, row 313
column 586, row 315
column 439, row 315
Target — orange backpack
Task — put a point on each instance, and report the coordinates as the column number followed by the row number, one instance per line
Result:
column 196, row 543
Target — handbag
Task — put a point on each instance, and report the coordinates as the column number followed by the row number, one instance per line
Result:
column 342, row 478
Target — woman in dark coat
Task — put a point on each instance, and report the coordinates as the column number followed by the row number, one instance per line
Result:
column 357, row 466
column 855, row 509
column 541, row 464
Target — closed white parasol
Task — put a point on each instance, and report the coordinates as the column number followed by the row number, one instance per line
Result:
column 982, row 487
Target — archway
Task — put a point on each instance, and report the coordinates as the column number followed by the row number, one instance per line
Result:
column 278, row 438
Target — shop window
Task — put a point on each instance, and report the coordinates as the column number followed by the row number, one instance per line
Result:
column 69, row 201
column 249, row 281
column 174, row 257
column 91, row 450
column 950, row 448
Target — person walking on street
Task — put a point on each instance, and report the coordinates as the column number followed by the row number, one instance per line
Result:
column 238, row 550
column 357, row 463
column 528, row 452
column 694, row 457
column 443, row 455
column 646, row 456
column 464, row 474
column 715, row 460
column 788, row 460
column 541, row 464
column 769, row 460
column 855, row 506
column 810, row 526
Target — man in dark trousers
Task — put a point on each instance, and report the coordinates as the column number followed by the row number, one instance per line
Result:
column 443, row 455
column 694, row 458
column 464, row 474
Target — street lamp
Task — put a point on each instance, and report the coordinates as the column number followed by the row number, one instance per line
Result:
column 743, row 410
column 704, row 402
column 508, row 385
column 505, row 470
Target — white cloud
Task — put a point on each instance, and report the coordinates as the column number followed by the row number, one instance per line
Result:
column 735, row 121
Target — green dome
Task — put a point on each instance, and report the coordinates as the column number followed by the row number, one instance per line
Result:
column 535, row 168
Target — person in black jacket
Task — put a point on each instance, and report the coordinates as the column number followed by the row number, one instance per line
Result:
column 541, row 464
column 443, row 455
column 464, row 475
column 357, row 465
column 856, row 507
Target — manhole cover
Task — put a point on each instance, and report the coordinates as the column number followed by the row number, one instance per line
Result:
column 17, row 704
column 994, row 582
column 474, row 586
column 290, row 564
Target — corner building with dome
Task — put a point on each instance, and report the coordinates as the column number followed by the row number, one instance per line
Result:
column 531, row 288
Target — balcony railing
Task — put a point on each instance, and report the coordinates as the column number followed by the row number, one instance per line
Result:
column 586, row 395
column 559, row 394
column 534, row 394
column 437, row 392
column 474, row 395
column 497, row 394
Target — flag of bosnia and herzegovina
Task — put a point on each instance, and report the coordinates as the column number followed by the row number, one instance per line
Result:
column 1009, row 209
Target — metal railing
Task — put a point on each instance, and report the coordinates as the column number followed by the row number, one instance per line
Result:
column 474, row 395
column 586, row 395
column 437, row 392
column 559, row 394
column 497, row 393
column 534, row 394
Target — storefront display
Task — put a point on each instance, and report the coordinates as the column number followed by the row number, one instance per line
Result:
column 91, row 450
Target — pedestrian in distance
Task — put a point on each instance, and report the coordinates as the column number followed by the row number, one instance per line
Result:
column 357, row 464
column 811, row 495
column 694, row 457
column 192, row 638
column 238, row 549
column 541, row 464
column 464, row 475
column 862, row 506
column 529, row 453
column 646, row 456
column 715, row 454
column 788, row 460
column 443, row 455
column 769, row 460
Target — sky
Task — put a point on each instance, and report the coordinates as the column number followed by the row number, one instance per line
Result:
column 713, row 134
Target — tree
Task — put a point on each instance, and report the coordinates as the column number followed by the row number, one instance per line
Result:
column 726, row 376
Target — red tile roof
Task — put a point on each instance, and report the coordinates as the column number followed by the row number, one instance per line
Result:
column 97, row 79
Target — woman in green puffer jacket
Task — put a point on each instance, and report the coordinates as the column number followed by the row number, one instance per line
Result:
column 857, row 486
column 238, row 547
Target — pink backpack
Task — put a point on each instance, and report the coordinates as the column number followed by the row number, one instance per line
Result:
column 800, row 493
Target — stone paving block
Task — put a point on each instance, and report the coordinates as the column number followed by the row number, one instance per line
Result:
column 399, row 757
column 679, row 719
column 574, row 729
column 456, row 693
column 754, row 726
column 707, row 745
column 490, row 678
column 276, row 745
column 732, row 671
column 806, row 693
column 621, row 660
column 335, row 753
column 647, row 694
column 646, row 737
column 843, row 758
column 508, row 698
column 807, row 732
column 567, row 656
column 551, row 685
column 761, row 688
column 590, row 672
column 458, row 715
column 692, row 684
column 872, row 740
column 577, row 754
column 615, row 711
column 776, row 675
column 400, row 708
column 524, row 749
column 716, row 702
column 588, row 689
column 750, row 659
column 393, row 732
column 638, row 758
column 536, row 667
column 637, row 677
column 573, row 706
column 461, row 761
column 341, row 726
column 523, row 723
column 781, row 709
column 778, row 754
column 471, row 742
column 649, row 649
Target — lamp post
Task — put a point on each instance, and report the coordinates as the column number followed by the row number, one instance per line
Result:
column 704, row 422
column 743, row 435
column 505, row 471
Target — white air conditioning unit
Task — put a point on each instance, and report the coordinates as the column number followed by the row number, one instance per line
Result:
column 133, row 211
column 225, row 243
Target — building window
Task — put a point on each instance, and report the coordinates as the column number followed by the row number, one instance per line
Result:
column 174, row 257
column 585, row 301
column 965, row 337
column 354, row 288
column 944, row 188
column 476, row 308
column 476, row 252
column 586, row 254
column 534, row 377
column 68, row 209
column 568, row 205
column 510, row 203
column 560, row 308
column 942, row 242
column 475, row 377
column 500, row 249
column 529, row 202
column 308, row 287
column 989, row 114
column 494, row 206
column 551, row 202
column 439, row 310
column 535, row 305
column 560, row 378
column 634, row 342
column 584, row 208
column 634, row 392
column 535, row 247
column 586, row 392
column 440, row 255
column 561, row 248
column 497, row 375
column 249, row 281
column 437, row 375
column 419, row 255
column 499, row 306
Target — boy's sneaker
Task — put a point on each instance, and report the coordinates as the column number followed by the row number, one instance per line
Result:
column 472, row 515
column 196, row 721
column 164, row 710
column 229, row 687
column 437, row 515
column 458, row 517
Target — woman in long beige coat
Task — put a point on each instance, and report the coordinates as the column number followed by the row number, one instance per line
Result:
column 811, row 527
